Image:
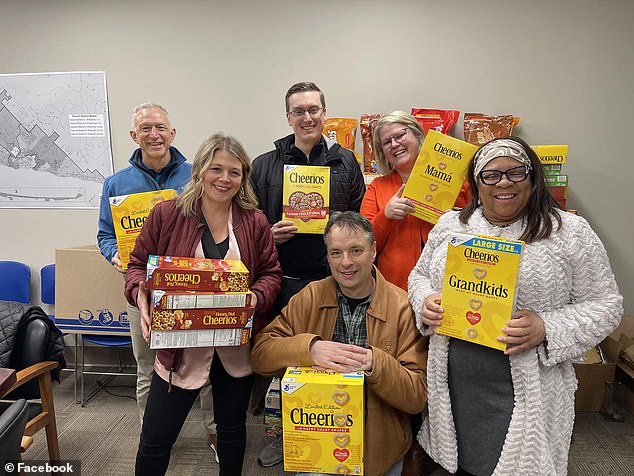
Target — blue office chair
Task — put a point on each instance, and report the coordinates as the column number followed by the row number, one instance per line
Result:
column 47, row 282
column 15, row 282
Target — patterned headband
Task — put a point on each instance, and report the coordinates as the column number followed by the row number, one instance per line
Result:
column 500, row 148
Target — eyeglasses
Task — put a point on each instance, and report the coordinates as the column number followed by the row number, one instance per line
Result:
column 399, row 137
column 515, row 175
column 313, row 111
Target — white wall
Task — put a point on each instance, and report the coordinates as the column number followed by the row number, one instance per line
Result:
column 565, row 68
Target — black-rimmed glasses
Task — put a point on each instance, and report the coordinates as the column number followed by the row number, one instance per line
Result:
column 399, row 137
column 313, row 111
column 515, row 175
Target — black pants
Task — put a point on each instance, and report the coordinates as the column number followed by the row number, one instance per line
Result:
column 166, row 412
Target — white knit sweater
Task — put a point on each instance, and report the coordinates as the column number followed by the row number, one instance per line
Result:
column 566, row 280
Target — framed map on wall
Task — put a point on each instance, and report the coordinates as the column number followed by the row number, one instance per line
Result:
column 55, row 149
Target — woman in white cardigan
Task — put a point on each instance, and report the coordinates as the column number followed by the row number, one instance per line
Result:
column 512, row 412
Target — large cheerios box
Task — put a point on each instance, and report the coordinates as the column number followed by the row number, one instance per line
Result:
column 196, row 274
column 306, row 196
column 323, row 416
column 479, row 287
column 438, row 175
column 129, row 213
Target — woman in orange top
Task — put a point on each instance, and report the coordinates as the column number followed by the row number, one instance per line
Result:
column 400, row 236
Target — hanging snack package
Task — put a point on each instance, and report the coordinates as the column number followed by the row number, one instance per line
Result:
column 439, row 120
column 367, row 125
column 342, row 130
column 480, row 128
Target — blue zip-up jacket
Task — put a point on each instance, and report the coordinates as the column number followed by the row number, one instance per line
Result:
column 136, row 179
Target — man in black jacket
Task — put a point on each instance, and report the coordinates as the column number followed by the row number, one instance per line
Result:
column 302, row 256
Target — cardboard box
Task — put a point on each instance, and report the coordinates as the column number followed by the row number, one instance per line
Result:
column 323, row 419
column 89, row 293
column 591, row 392
column 625, row 363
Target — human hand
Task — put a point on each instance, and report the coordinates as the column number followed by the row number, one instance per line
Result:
column 398, row 208
column 525, row 331
column 339, row 357
column 283, row 231
column 432, row 311
column 142, row 302
column 116, row 262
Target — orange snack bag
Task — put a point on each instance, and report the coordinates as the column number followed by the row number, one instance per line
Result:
column 480, row 128
column 436, row 119
column 367, row 125
column 343, row 130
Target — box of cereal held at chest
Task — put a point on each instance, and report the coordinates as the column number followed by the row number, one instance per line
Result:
column 479, row 287
column 196, row 274
column 323, row 419
column 306, row 196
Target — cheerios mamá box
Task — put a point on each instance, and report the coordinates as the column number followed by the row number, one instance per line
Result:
column 129, row 213
column 196, row 274
column 322, row 414
column 306, row 196
column 438, row 175
column 479, row 287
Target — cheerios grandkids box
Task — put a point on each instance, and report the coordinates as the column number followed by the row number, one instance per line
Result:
column 196, row 274
column 129, row 213
column 323, row 416
column 480, row 287
column 306, row 197
column 438, row 174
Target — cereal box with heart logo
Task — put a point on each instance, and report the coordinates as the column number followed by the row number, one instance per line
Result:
column 129, row 213
column 479, row 287
column 306, row 197
column 438, row 175
column 323, row 417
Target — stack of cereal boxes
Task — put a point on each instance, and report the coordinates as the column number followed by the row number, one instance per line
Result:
column 323, row 418
column 198, row 302
column 553, row 157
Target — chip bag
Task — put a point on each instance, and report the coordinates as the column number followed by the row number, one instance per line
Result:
column 436, row 119
column 480, row 128
column 342, row 130
column 367, row 125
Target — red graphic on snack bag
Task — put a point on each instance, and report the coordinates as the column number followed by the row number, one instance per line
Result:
column 341, row 455
column 473, row 317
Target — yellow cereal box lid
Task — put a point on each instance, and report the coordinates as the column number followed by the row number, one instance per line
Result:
column 295, row 377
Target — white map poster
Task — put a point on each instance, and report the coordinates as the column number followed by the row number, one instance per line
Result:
column 54, row 140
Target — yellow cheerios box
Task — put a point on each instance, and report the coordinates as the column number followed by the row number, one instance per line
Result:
column 322, row 414
column 306, row 197
column 129, row 213
column 479, row 287
column 551, row 154
column 438, row 175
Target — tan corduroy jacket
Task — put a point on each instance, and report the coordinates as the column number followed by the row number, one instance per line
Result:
column 395, row 388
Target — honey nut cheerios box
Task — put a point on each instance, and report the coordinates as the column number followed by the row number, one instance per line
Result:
column 162, row 299
column 480, row 287
column 185, row 319
column 306, row 197
column 196, row 274
column 323, row 418
column 438, row 175
column 129, row 213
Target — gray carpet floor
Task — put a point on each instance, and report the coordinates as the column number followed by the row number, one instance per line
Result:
column 104, row 436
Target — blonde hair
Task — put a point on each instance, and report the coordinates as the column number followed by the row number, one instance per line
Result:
column 394, row 117
column 188, row 201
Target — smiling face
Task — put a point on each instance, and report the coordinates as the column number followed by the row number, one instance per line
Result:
column 154, row 135
column 350, row 257
column 222, row 179
column 307, row 128
column 504, row 202
column 401, row 155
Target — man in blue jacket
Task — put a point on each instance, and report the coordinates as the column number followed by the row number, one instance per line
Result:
column 155, row 165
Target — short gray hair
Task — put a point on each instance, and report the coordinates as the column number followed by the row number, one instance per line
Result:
column 144, row 106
